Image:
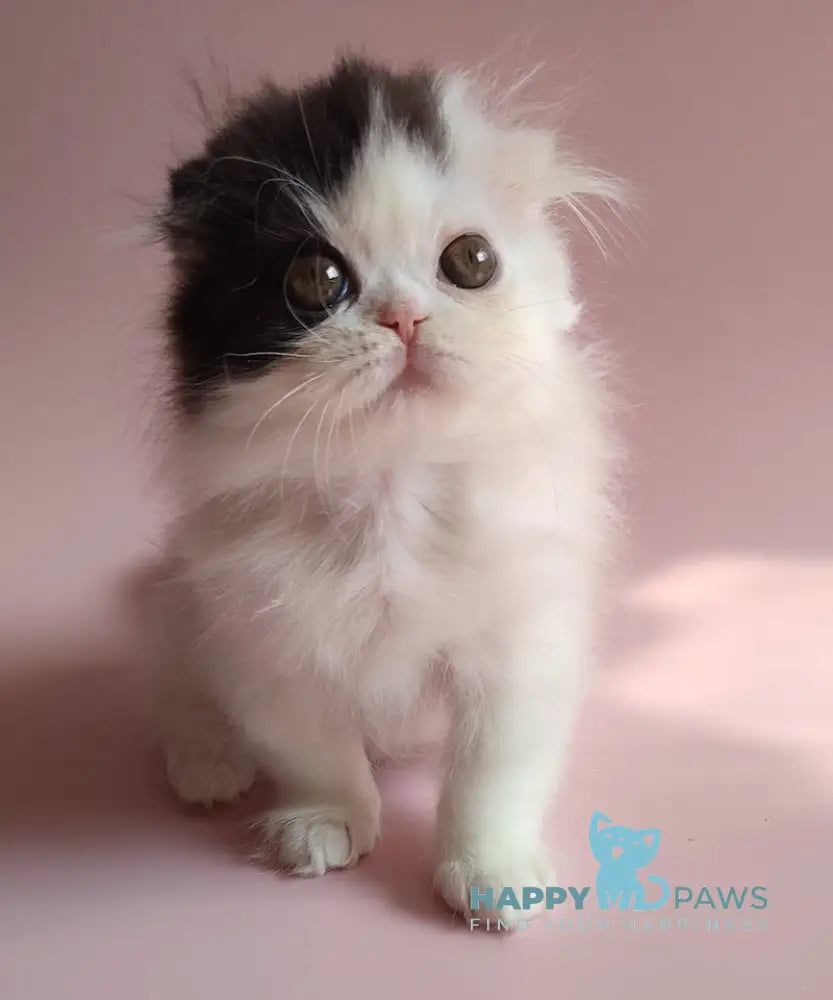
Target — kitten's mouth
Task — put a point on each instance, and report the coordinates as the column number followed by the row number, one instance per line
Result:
column 412, row 377
column 406, row 378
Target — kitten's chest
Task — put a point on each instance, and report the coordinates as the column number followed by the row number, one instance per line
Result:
column 406, row 532
column 382, row 566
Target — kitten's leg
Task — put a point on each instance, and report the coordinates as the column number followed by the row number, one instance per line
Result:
column 205, row 759
column 328, row 810
column 517, row 698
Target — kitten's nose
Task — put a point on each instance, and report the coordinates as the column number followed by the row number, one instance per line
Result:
column 402, row 319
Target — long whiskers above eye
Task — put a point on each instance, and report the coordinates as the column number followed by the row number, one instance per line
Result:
column 309, row 137
column 279, row 173
column 595, row 225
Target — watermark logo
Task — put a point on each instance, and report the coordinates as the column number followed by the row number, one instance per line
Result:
column 621, row 853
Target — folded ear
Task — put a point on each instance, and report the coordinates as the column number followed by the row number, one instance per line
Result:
column 549, row 175
column 188, row 188
column 188, row 180
column 527, row 166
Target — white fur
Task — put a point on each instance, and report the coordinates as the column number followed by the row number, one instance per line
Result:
column 348, row 558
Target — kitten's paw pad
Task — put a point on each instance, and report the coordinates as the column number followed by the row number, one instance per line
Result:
column 312, row 840
column 455, row 878
column 208, row 777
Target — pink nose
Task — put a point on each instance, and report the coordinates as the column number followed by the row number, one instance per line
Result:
column 402, row 319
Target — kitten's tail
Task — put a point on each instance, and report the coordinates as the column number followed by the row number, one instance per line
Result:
column 666, row 893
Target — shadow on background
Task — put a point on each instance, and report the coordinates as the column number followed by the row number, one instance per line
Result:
column 80, row 771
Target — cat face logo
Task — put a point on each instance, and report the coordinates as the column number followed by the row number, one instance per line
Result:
column 621, row 852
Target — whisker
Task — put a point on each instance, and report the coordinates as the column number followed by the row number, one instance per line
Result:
column 521, row 363
column 333, row 420
column 352, row 430
column 279, row 172
column 309, row 137
column 274, row 406
column 282, row 354
column 316, row 480
column 533, row 305
column 286, row 454
column 306, row 199
column 592, row 224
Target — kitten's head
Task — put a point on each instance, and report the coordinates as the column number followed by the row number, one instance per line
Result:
column 610, row 843
column 373, row 244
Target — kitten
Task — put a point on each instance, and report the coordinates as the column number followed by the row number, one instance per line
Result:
column 621, row 852
column 392, row 463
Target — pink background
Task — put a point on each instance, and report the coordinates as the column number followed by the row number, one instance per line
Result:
column 711, row 715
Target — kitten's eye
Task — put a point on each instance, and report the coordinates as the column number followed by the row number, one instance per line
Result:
column 469, row 261
column 316, row 283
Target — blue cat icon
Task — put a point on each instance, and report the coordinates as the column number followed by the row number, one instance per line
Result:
column 621, row 852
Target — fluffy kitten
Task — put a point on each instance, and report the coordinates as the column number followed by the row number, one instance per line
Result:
column 392, row 464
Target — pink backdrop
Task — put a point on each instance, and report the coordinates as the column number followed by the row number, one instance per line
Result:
column 712, row 713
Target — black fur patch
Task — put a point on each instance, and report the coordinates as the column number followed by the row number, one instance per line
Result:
column 234, row 225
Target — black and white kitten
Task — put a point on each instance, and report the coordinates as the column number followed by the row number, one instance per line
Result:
column 391, row 460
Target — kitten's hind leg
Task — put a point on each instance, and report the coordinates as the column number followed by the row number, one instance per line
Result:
column 206, row 761
column 206, row 758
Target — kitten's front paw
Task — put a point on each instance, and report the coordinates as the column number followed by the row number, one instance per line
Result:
column 458, row 874
column 310, row 840
column 217, row 772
